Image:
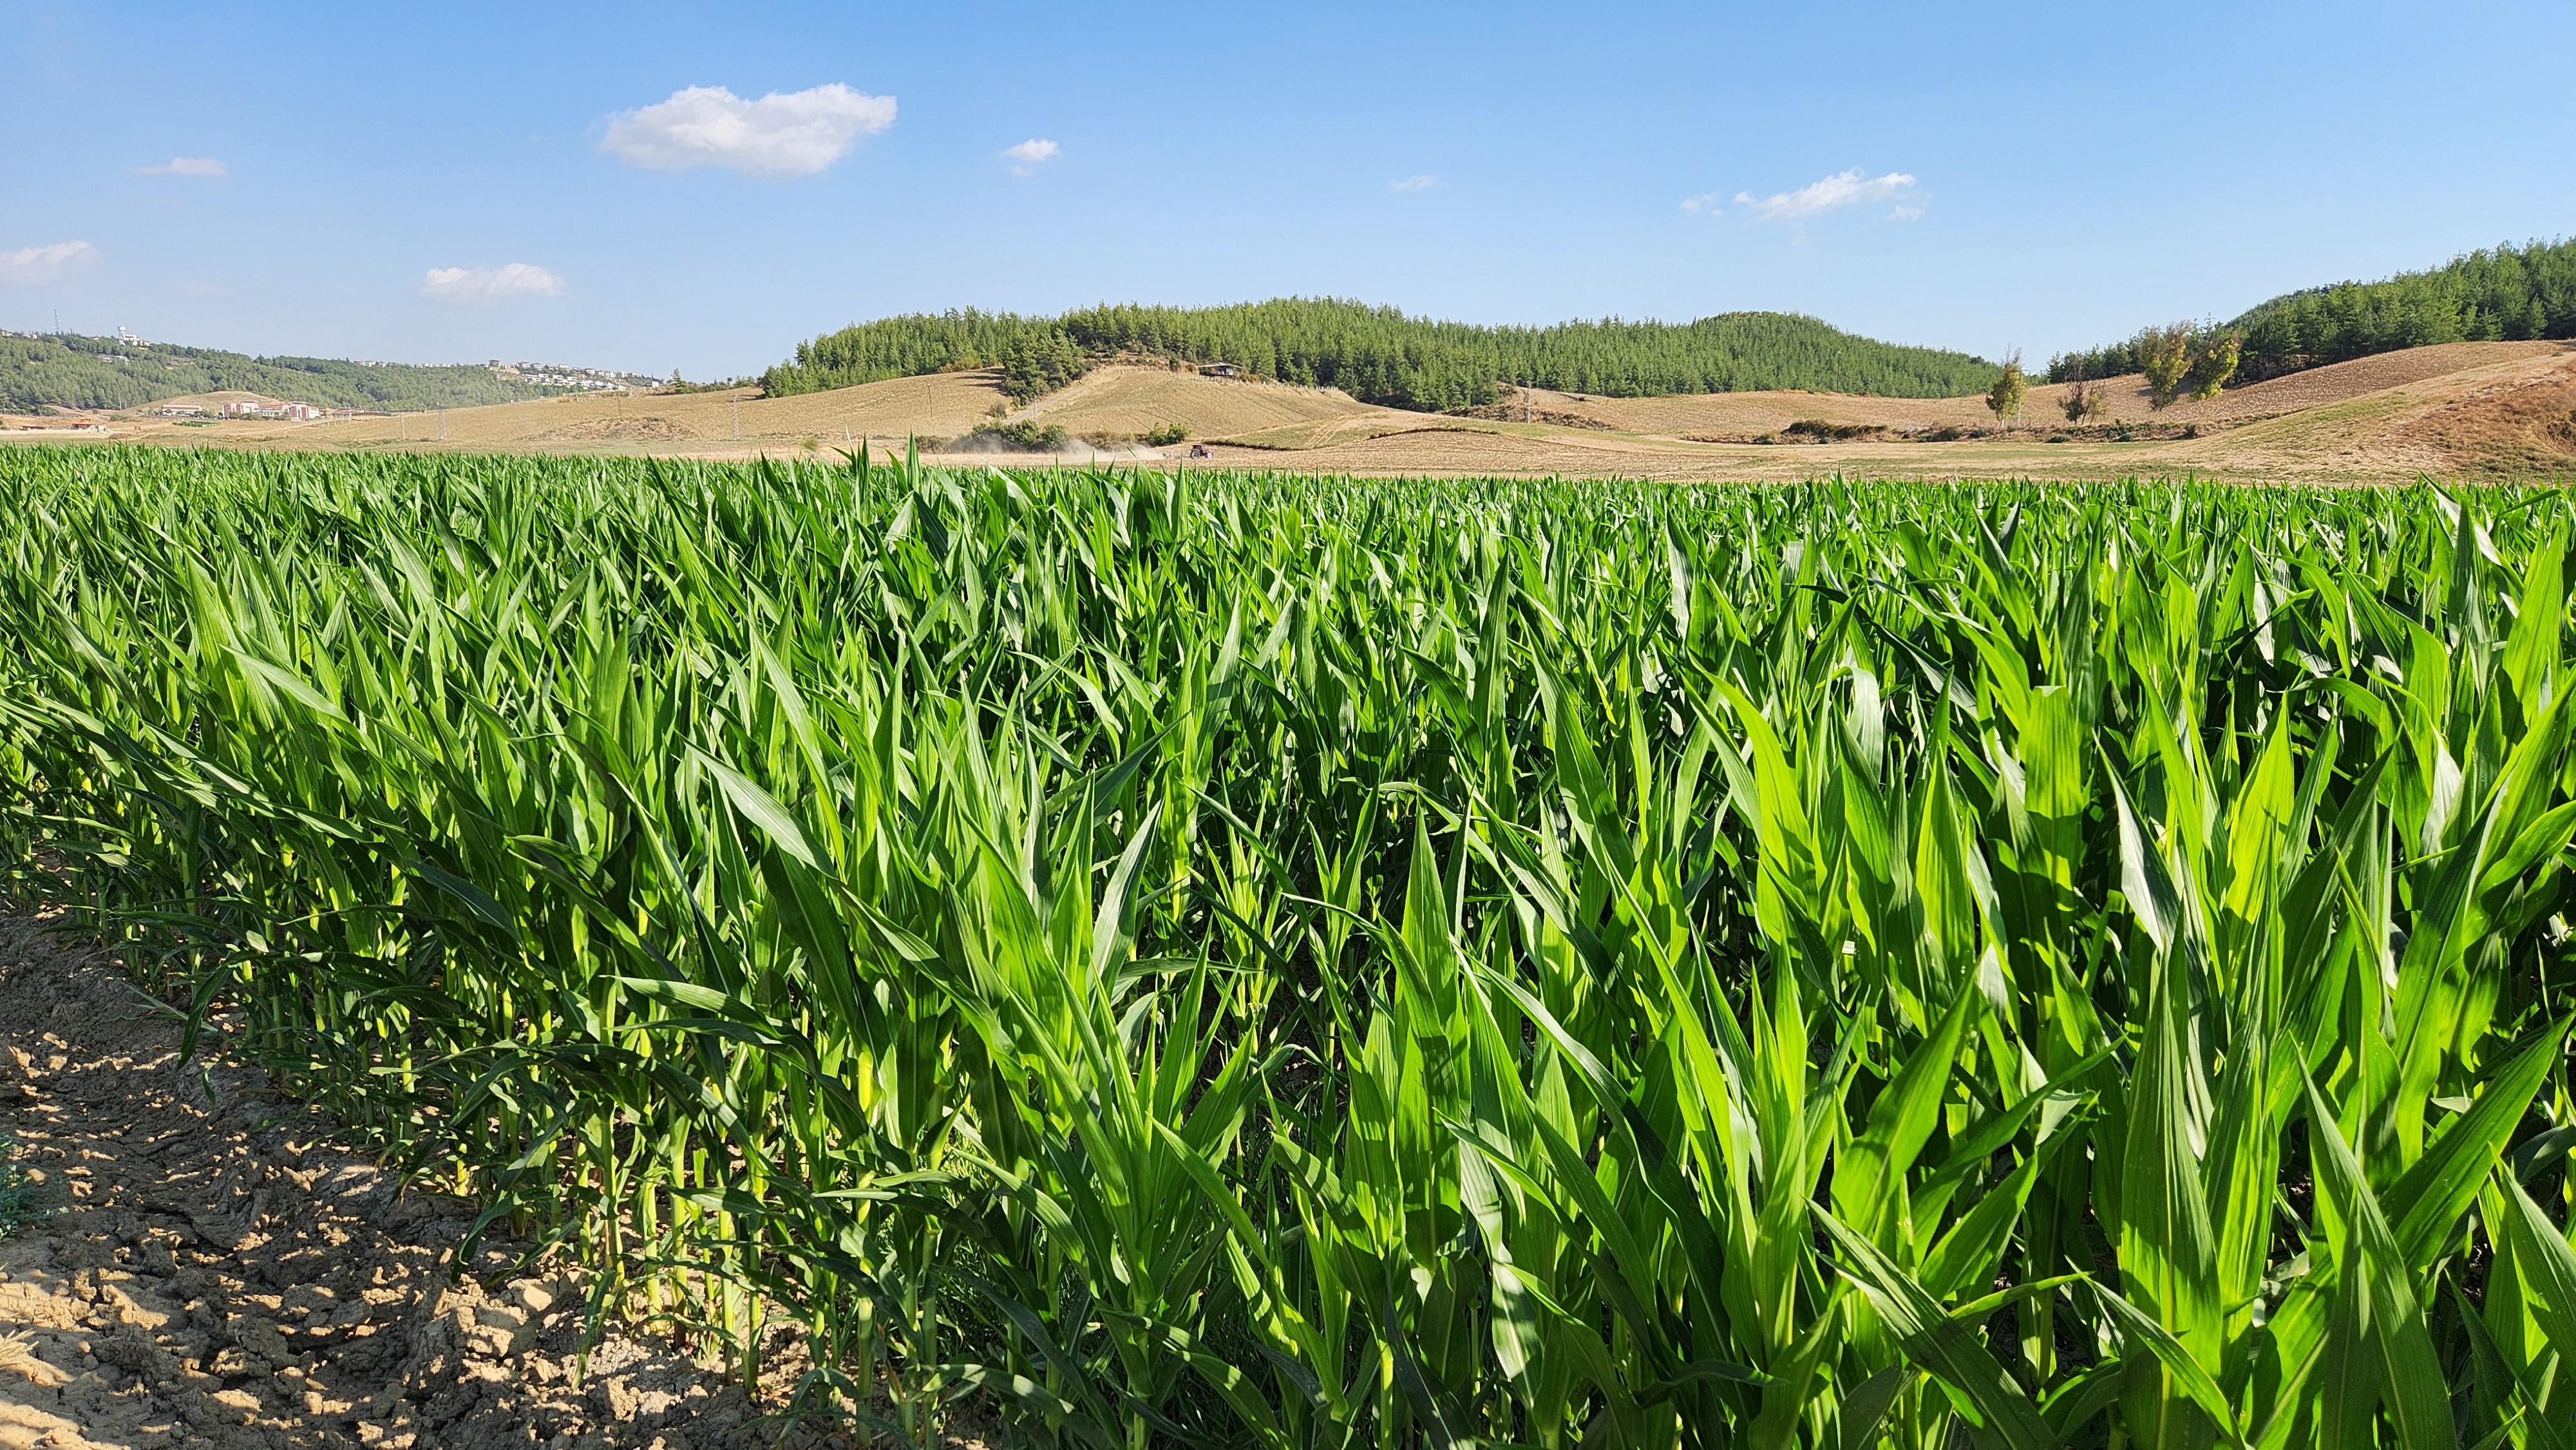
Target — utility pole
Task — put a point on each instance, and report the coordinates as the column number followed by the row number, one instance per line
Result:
column 737, row 418
column 442, row 425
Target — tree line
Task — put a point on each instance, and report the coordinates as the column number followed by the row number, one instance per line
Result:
column 66, row 371
column 2509, row 294
column 1381, row 355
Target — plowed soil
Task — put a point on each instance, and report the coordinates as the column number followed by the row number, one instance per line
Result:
column 218, row 1274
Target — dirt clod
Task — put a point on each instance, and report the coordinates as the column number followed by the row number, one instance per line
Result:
column 217, row 1281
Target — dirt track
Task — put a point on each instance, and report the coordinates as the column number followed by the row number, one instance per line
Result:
column 212, row 1280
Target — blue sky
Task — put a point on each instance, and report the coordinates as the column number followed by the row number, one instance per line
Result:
column 361, row 181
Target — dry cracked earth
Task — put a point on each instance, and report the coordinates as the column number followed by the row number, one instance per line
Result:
column 207, row 1278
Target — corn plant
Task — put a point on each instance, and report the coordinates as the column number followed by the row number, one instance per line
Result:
column 1241, row 959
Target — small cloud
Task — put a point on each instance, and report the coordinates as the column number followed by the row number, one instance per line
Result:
column 1024, row 158
column 1905, row 213
column 783, row 134
column 490, row 284
column 1414, row 183
column 35, row 266
column 1705, row 201
column 205, row 166
column 1842, row 189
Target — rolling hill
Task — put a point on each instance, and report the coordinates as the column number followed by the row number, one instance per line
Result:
column 65, row 371
column 1380, row 355
column 2511, row 294
column 2495, row 410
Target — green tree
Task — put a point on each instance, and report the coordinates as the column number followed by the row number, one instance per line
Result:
column 2004, row 398
column 2214, row 355
column 1380, row 355
column 1040, row 363
column 2164, row 355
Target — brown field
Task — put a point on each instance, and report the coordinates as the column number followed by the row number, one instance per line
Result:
column 2476, row 409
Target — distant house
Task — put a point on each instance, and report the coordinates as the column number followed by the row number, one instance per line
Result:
column 1219, row 370
column 180, row 410
column 291, row 412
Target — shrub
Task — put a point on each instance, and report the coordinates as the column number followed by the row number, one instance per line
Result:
column 1167, row 434
column 1823, row 431
column 1022, row 436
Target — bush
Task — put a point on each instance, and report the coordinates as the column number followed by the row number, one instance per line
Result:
column 1024, row 436
column 1825, row 432
column 1165, row 435
column 678, row 384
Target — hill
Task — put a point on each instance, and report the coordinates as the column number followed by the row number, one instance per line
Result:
column 2493, row 410
column 66, row 371
column 1380, row 355
column 2512, row 294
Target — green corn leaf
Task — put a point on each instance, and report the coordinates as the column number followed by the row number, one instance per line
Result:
column 1949, row 1352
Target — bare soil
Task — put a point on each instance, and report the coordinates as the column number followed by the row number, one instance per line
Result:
column 220, row 1274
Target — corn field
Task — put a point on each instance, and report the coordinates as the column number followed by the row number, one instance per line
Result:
column 1251, row 960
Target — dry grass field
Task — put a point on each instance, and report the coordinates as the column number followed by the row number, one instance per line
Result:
column 2478, row 409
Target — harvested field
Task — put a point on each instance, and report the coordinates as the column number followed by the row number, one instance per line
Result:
column 2491, row 418
column 2125, row 398
column 1136, row 400
column 2340, row 382
column 650, row 427
column 943, row 406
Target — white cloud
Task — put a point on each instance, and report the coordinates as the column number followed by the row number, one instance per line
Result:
column 1905, row 213
column 1705, row 201
column 1414, row 183
column 489, row 284
column 186, row 166
column 1024, row 158
column 1842, row 189
column 783, row 134
column 34, row 266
